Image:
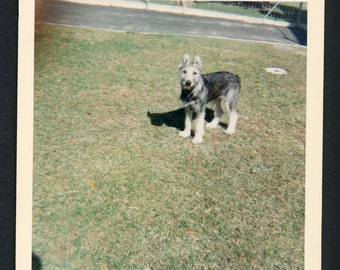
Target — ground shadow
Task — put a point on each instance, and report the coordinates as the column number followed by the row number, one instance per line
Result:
column 36, row 262
column 300, row 35
column 174, row 118
column 295, row 34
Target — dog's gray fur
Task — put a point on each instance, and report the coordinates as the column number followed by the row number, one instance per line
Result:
column 199, row 89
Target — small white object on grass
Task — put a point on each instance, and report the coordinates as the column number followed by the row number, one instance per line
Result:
column 276, row 70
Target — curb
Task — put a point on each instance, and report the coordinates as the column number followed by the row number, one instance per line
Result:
column 181, row 10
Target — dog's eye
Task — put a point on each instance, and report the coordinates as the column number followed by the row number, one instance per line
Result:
column 184, row 71
column 195, row 73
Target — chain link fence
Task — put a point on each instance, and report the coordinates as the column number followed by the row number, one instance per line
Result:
column 292, row 12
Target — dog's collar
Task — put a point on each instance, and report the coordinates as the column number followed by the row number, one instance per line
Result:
column 191, row 94
column 190, row 103
column 188, row 97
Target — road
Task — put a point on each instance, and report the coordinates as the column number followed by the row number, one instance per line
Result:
column 144, row 21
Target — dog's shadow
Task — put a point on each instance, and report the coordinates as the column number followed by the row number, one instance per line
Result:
column 175, row 118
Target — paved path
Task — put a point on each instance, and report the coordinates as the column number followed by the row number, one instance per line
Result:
column 146, row 21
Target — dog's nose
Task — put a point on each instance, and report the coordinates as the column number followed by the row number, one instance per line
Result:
column 188, row 83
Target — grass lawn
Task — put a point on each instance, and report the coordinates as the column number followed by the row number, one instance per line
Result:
column 115, row 187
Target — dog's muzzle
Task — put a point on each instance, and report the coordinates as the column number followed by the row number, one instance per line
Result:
column 187, row 85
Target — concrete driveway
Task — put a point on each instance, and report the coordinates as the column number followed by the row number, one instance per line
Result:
column 146, row 21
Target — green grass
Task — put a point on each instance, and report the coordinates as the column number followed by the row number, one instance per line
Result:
column 115, row 187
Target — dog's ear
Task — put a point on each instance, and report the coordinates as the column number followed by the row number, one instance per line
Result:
column 197, row 62
column 186, row 59
column 185, row 62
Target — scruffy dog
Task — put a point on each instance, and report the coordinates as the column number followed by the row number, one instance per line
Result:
column 199, row 89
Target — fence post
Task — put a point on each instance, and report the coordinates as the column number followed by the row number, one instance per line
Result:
column 299, row 14
column 270, row 11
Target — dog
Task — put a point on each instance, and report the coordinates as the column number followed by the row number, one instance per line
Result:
column 198, row 89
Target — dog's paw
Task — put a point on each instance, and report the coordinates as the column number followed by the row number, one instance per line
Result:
column 229, row 132
column 184, row 133
column 212, row 125
column 197, row 140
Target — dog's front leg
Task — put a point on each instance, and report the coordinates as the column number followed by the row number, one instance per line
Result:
column 187, row 124
column 199, row 131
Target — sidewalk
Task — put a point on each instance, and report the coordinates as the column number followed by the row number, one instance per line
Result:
column 163, row 19
column 180, row 10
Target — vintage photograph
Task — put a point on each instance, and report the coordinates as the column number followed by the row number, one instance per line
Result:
column 169, row 134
